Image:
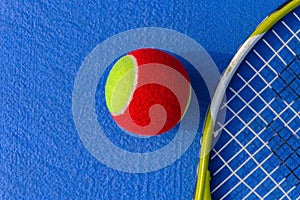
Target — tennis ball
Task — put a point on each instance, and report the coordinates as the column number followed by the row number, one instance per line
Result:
column 147, row 91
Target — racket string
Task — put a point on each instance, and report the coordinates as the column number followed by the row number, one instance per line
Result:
column 278, row 116
column 266, row 64
column 287, row 157
column 288, row 82
column 265, row 144
column 251, row 156
column 246, row 105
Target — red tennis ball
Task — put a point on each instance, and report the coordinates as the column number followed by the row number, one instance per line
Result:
column 147, row 91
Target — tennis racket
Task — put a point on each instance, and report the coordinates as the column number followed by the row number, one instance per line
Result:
column 258, row 153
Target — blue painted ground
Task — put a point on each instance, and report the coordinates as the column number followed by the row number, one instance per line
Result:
column 42, row 46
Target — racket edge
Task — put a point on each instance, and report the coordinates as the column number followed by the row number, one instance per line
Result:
column 202, row 190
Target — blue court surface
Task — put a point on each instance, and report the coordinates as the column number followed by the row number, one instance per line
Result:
column 57, row 137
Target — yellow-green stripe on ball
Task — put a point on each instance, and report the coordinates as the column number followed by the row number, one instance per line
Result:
column 120, row 84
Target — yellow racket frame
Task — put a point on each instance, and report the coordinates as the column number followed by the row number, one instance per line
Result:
column 202, row 191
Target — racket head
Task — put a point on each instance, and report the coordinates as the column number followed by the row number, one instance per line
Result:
column 258, row 153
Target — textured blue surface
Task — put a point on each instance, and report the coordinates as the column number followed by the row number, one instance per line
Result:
column 42, row 47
